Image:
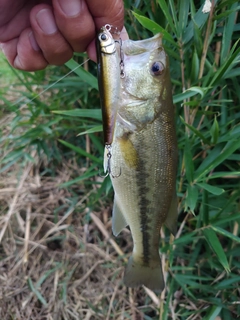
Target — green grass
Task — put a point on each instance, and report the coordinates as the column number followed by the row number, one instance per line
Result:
column 202, row 263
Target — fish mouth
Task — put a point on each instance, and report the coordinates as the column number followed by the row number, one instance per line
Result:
column 133, row 100
column 131, row 47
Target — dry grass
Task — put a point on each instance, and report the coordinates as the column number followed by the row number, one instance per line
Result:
column 58, row 259
column 54, row 264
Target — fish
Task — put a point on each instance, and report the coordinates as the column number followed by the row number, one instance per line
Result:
column 144, row 149
column 108, row 80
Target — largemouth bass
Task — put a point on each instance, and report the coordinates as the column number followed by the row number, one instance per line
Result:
column 144, row 150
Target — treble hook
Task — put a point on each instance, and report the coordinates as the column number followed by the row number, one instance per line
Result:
column 122, row 73
column 109, row 170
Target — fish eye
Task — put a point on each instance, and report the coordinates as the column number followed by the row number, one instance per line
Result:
column 104, row 37
column 157, row 68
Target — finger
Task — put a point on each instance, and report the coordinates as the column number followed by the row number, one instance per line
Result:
column 124, row 35
column 24, row 53
column 75, row 23
column 107, row 12
column 13, row 19
column 8, row 10
column 56, row 50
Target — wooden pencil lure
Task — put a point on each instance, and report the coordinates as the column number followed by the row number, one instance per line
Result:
column 108, row 80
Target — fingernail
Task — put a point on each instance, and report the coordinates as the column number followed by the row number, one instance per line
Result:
column 71, row 7
column 46, row 21
column 33, row 42
column 2, row 48
column 124, row 34
column 17, row 63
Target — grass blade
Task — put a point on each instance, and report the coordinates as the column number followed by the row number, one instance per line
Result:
column 36, row 292
column 214, row 190
column 226, row 233
column 81, row 151
column 164, row 7
column 82, row 113
column 214, row 243
column 215, row 157
column 154, row 27
column 82, row 73
column 213, row 313
column 233, row 55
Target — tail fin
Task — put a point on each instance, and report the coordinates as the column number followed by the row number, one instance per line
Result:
column 137, row 274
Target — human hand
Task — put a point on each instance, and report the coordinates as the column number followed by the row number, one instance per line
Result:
column 34, row 33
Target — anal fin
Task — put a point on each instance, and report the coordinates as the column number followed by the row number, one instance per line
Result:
column 172, row 216
column 118, row 220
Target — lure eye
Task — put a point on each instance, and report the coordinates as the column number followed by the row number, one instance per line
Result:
column 104, row 37
column 157, row 68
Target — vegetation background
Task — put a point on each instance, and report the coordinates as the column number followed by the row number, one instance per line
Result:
column 58, row 258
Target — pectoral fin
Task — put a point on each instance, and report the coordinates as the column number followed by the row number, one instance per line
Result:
column 171, row 220
column 118, row 220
